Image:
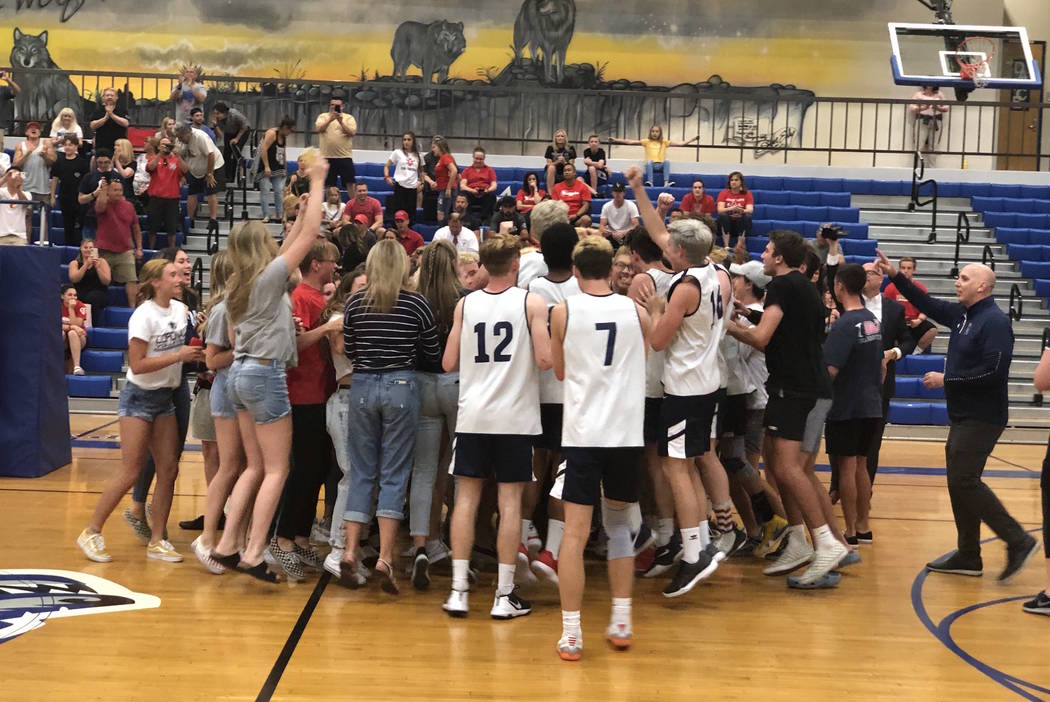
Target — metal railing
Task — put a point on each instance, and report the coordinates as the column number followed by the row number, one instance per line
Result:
column 197, row 277
column 768, row 124
column 918, row 172
column 988, row 256
column 1016, row 307
column 962, row 236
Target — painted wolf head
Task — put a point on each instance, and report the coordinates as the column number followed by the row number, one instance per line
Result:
column 30, row 51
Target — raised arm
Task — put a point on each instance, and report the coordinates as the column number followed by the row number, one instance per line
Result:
column 302, row 237
column 654, row 224
column 941, row 311
column 536, row 309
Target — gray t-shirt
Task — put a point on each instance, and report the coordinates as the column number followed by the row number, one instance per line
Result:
column 217, row 331
column 267, row 329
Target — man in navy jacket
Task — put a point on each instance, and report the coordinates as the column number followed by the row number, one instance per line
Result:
column 976, row 371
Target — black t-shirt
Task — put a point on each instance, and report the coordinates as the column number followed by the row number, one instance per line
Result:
column 69, row 172
column 89, row 184
column 569, row 153
column 793, row 355
column 597, row 155
column 498, row 218
column 854, row 346
column 110, row 131
column 354, row 255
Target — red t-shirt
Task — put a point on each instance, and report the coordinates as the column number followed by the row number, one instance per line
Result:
column 309, row 383
column 412, row 240
column 164, row 182
column 530, row 201
column 114, row 226
column 574, row 196
column 478, row 178
column 705, row 206
column 369, row 208
column 732, row 199
column 910, row 311
column 80, row 308
column 443, row 171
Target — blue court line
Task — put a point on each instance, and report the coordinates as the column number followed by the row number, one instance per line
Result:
column 101, row 444
column 942, row 632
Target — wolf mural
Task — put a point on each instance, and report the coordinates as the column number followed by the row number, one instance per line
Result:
column 545, row 27
column 430, row 47
column 42, row 96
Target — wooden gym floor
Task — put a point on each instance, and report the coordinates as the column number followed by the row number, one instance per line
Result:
column 887, row 633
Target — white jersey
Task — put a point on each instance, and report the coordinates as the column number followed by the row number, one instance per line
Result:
column 498, row 375
column 691, row 363
column 654, row 363
column 552, row 293
column 755, row 367
column 726, row 368
column 604, row 372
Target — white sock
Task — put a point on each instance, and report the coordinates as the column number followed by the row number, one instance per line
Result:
column 555, row 528
column 506, row 579
column 823, row 538
column 705, row 535
column 525, row 524
column 634, row 515
column 691, row 545
column 460, row 575
column 797, row 533
column 570, row 624
column 621, row 611
column 664, row 530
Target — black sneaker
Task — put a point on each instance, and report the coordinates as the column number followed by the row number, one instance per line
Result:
column 865, row 537
column 421, row 569
column 643, row 539
column 689, row 574
column 287, row 560
column 1016, row 557
column 853, row 540
column 957, row 564
column 193, row 524
column 509, row 606
column 1039, row 605
column 665, row 557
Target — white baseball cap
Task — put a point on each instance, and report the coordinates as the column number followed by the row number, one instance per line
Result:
column 752, row 270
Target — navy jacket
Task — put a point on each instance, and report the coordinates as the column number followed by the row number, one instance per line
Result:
column 980, row 349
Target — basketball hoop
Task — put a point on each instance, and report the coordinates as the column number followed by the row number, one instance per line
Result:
column 973, row 56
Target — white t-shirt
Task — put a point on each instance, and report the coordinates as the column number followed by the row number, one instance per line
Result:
column 406, row 168
column 530, row 267
column 619, row 219
column 332, row 213
column 12, row 217
column 163, row 330
column 465, row 241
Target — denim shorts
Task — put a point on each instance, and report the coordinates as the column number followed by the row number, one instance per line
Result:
column 143, row 404
column 221, row 406
column 259, row 387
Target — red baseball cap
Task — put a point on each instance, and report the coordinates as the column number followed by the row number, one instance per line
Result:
column 400, row 215
column 33, row 124
column 362, row 219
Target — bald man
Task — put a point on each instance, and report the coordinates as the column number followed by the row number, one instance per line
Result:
column 975, row 376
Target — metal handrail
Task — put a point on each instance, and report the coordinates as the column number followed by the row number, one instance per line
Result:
column 988, row 259
column 213, row 231
column 962, row 236
column 918, row 172
column 197, row 278
column 1017, row 305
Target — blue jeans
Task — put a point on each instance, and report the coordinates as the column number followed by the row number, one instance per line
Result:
column 663, row 167
column 259, row 388
column 383, row 412
column 439, row 403
column 275, row 184
column 445, row 202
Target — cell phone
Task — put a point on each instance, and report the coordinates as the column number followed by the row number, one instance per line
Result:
column 337, row 108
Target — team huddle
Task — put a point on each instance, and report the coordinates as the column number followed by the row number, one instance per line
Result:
column 669, row 380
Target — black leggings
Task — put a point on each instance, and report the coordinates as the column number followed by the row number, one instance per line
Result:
column 1044, row 484
column 311, row 449
column 70, row 224
column 163, row 214
column 403, row 199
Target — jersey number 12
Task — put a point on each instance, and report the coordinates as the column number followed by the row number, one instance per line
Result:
column 501, row 330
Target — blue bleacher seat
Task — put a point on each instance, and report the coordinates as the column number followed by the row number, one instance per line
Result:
column 116, row 317
column 939, row 413
column 116, row 296
column 98, row 361
column 1024, row 252
column 88, row 385
column 1042, row 287
column 920, row 364
column 63, row 276
column 1010, row 235
column 1035, row 269
column 858, row 247
column 930, row 393
column 426, row 230
column 907, row 387
column 904, row 412
column 107, row 338
column 1001, row 190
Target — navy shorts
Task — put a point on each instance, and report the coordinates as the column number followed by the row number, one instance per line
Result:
column 550, row 421
column 850, row 437
column 198, row 186
column 785, row 417
column 686, row 423
column 651, row 429
column 505, row 457
column 592, row 472
column 144, row 404
column 732, row 419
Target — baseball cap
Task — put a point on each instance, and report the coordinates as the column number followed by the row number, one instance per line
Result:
column 34, row 123
column 361, row 219
column 619, row 188
column 400, row 215
column 752, row 270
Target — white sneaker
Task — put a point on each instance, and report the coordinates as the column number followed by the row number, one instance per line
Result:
column 456, row 604
column 94, row 547
column 570, row 647
column 77, row 370
column 824, row 561
column 619, row 636
column 797, row 554
column 332, row 564
column 204, row 556
column 509, row 606
column 163, row 551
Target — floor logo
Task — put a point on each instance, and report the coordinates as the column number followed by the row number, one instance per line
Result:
column 28, row 598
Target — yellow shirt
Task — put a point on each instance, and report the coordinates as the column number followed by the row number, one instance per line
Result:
column 655, row 151
column 334, row 142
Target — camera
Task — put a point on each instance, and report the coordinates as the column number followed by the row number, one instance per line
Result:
column 337, row 108
column 831, row 232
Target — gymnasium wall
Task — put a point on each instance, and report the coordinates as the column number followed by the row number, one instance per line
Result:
column 762, row 59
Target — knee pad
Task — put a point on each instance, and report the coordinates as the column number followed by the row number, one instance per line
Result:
column 617, row 524
column 733, row 465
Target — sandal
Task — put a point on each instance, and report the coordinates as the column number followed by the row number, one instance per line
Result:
column 348, row 573
column 388, row 583
column 260, row 571
column 230, row 562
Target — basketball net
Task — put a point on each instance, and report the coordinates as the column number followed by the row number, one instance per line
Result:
column 973, row 56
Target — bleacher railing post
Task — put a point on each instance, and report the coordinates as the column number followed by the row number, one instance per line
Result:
column 962, row 234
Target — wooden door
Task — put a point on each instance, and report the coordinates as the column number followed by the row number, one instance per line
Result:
column 1020, row 125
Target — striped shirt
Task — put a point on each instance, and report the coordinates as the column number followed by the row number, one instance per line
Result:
column 405, row 338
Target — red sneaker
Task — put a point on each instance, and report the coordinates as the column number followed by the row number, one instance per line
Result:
column 644, row 560
column 546, row 565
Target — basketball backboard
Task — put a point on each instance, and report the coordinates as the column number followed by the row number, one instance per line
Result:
column 931, row 54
